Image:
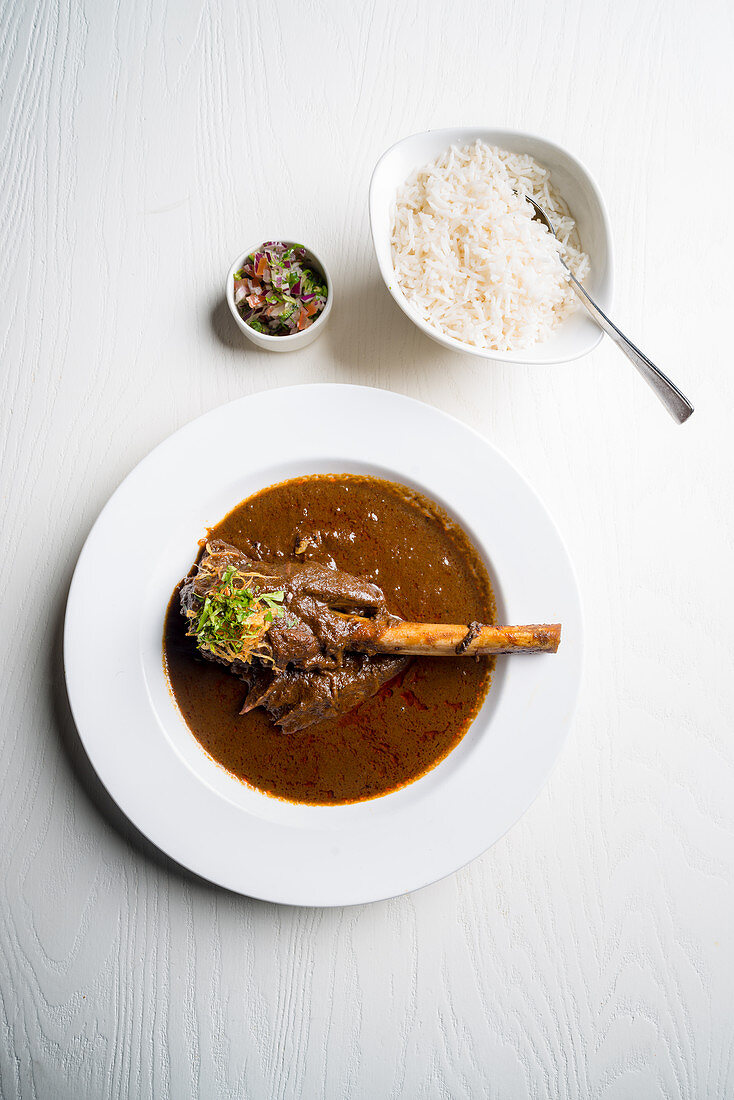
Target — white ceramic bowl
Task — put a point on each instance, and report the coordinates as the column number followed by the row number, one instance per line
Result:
column 296, row 339
column 576, row 336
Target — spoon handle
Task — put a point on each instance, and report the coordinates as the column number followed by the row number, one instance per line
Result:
column 675, row 402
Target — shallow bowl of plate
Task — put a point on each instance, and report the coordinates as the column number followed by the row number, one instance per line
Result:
column 577, row 335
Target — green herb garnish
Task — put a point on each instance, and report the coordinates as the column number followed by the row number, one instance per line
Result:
column 234, row 616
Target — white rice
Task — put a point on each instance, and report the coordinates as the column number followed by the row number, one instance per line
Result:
column 469, row 257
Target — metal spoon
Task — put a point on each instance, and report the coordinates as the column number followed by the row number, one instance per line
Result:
column 675, row 402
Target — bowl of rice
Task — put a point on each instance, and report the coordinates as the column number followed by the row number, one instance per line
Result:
column 463, row 257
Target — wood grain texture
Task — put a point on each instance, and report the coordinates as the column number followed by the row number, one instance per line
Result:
column 590, row 952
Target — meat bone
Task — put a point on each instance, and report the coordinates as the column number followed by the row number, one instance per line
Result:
column 450, row 640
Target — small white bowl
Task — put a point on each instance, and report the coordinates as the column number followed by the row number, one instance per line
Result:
column 296, row 339
column 575, row 336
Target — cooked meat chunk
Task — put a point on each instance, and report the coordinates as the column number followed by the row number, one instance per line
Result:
column 296, row 698
column 309, row 673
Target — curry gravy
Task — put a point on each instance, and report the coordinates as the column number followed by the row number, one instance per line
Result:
column 428, row 570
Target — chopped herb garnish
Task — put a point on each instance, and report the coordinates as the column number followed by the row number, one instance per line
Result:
column 234, row 615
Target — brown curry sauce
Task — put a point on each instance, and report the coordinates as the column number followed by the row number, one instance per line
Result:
column 428, row 570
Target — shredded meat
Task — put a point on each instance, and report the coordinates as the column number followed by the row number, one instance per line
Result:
column 296, row 698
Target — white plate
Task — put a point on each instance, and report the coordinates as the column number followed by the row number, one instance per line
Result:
column 145, row 540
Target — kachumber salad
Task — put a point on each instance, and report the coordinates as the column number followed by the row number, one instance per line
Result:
column 277, row 291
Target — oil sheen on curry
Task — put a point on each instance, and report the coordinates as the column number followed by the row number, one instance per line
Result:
column 310, row 720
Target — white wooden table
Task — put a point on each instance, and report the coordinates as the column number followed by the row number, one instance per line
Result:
column 590, row 953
